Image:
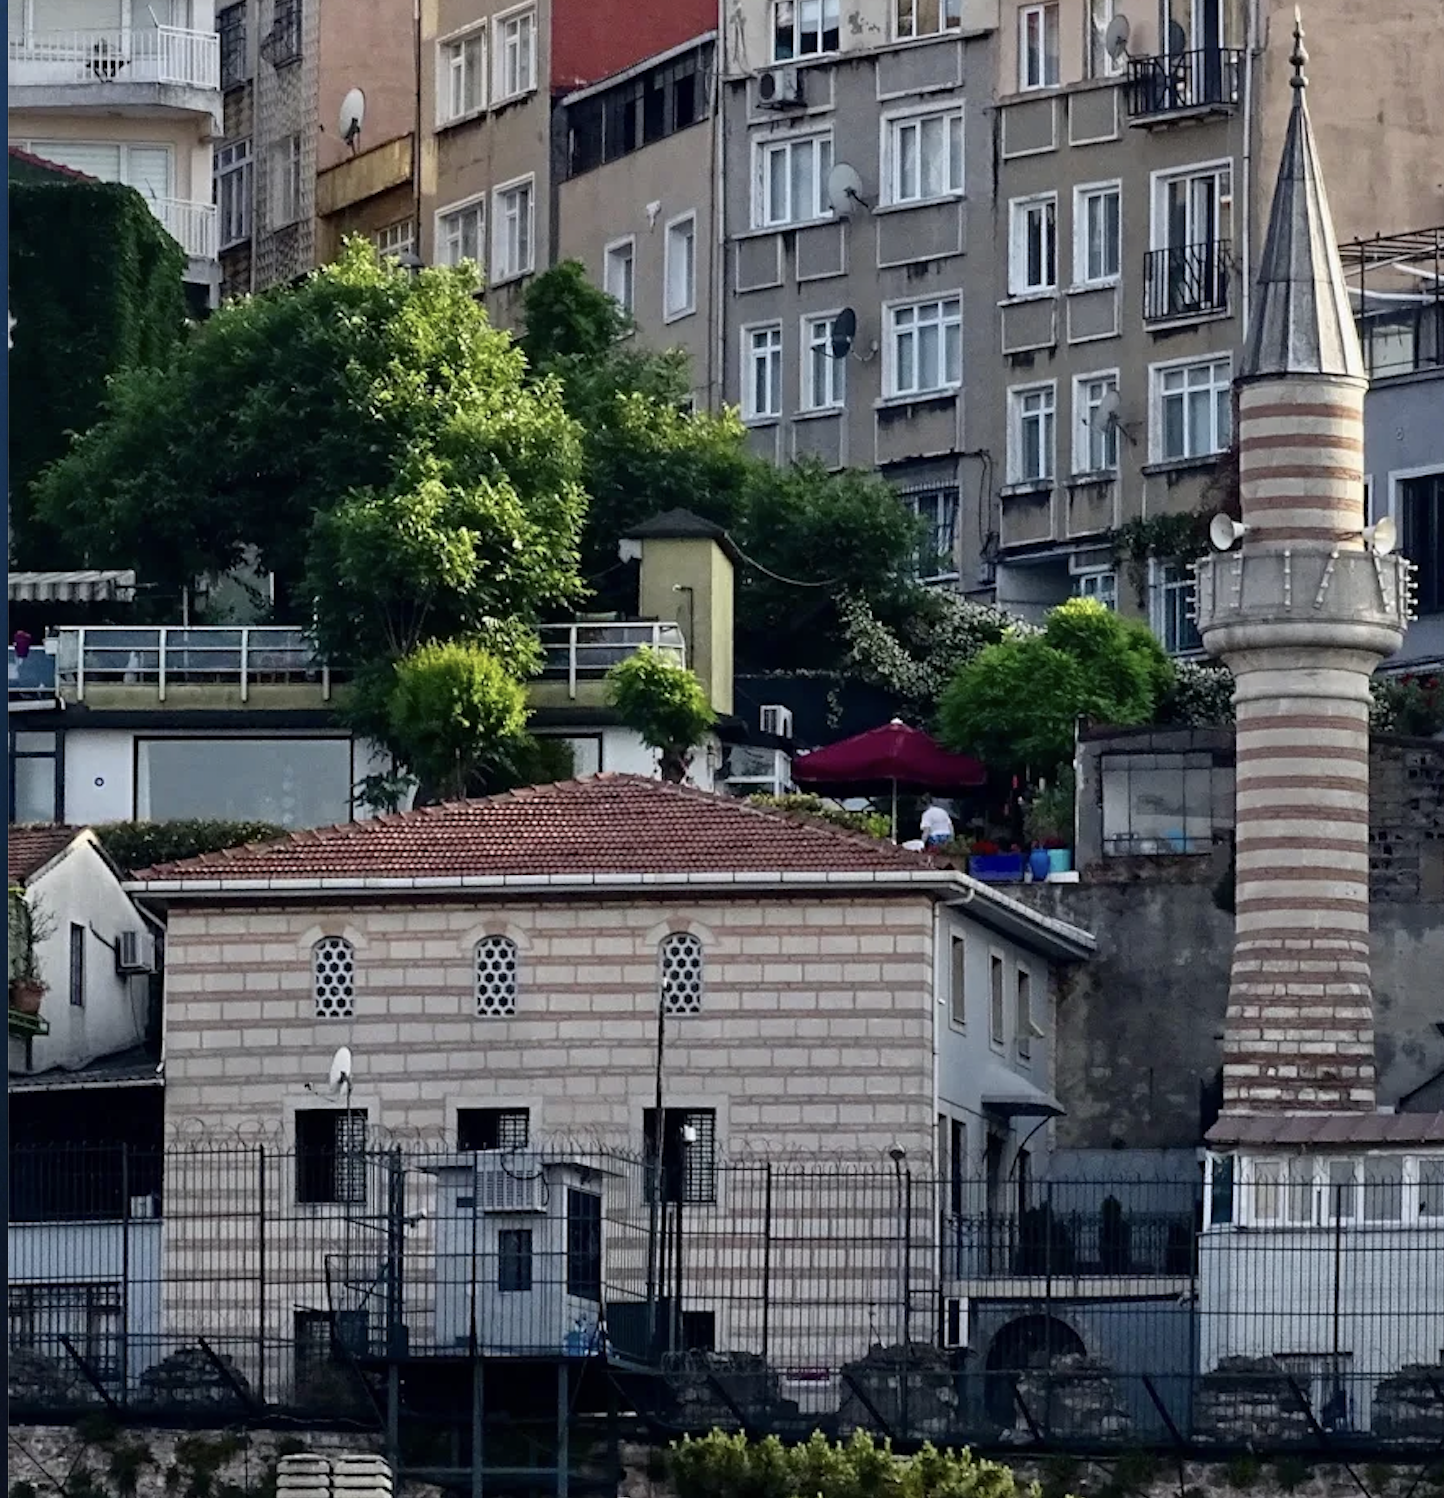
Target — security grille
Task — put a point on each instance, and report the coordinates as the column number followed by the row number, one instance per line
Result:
column 495, row 976
column 333, row 975
column 681, row 974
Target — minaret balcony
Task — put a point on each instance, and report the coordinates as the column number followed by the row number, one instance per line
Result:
column 1163, row 89
column 1359, row 598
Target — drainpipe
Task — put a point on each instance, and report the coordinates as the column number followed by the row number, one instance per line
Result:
column 716, row 382
column 1251, row 45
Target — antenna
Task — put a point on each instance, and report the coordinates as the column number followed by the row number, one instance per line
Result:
column 1224, row 531
column 844, row 190
column 844, row 330
column 339, row 1077
column 1115, row 39
column 1383, row 536
column 353, row 114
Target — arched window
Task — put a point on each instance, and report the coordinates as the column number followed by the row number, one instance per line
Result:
column 681, row 961
column 333, row 978
column 495, row 976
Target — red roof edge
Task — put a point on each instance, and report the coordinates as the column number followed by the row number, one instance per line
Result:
column 30, row 159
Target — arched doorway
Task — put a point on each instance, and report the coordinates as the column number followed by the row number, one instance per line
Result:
column 1028, row 1342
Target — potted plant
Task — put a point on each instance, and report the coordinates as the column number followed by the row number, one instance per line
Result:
column 1049, row 822
column 27, row 931
column 990, row 861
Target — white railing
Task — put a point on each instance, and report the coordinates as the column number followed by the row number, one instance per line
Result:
column 585, row 652
column 118, row 655
column 147, row 54
column 191, row 225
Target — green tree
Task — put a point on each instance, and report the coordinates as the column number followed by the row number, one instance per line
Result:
column 664, row 703
column 365, row 384
column 1016, row 704
column 454, row 712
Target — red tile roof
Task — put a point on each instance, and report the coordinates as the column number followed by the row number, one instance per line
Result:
column 608, row 824
column 1303, row 1130
column 33, row 846
column 30, row 159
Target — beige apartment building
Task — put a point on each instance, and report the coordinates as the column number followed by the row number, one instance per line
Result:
column 1130, row 210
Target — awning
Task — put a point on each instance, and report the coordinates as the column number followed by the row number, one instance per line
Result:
column 73, row 587
column 1007, row 1095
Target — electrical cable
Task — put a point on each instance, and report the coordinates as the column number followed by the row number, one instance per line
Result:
column 777, row 577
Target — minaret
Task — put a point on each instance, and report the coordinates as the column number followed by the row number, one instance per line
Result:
column 1302, row 610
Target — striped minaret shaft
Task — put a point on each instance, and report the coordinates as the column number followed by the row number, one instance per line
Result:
column 1302, row 613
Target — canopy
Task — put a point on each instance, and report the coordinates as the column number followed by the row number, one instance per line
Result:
column 895, row 754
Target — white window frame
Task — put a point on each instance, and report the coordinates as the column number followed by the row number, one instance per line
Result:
column 672, row 310
column 396, row 239
column 895, row 125
column 1046, row 443
column 945, row 321
column 475, row 203
column 287, row 181
column 825, row 10
column 1098, row 583
column 1162, row 588
column 234, row 160
column 502, row 89
column 1221, row 169
column 950, row 18
column 763, row 149
column 912, row 500
column 752, row 411
column 1029, row 77
column 501, row 267
column 1158, row 376
column 446, row 66
column 1022, row 213
column 611, row 257
column 833, row 394
column 1084, row 434
column 1082, row 196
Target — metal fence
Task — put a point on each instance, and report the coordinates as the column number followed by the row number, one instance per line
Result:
column 750, row 1294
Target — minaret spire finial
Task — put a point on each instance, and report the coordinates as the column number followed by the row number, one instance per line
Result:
column 1299, row 56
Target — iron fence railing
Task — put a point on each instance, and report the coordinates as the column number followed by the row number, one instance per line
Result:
column 1178, row 82
column 1186, row 280
column 796, row 1296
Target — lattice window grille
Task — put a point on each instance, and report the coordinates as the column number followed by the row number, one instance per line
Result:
column 495, row 976
column 681, row 974
column 333, row 978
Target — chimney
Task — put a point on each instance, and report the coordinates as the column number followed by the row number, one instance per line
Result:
column 1302, row 610
column 687, row 579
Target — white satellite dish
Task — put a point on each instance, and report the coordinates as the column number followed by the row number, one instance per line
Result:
column 844, row 189
column 1224, row 531
column 340, row 1074
column 1383, row 536
column 1104, row 416
column 1115, row 39
column 353, row 116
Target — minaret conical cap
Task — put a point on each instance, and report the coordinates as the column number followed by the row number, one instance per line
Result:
column 1302, row 322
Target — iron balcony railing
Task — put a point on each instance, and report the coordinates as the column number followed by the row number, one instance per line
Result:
column 586, row 652
column 145, row 54
column 1186, row 280
column 1183, row 81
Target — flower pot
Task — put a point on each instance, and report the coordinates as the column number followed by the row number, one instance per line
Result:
column 1060, row 860
column 997, row 868
column 1038, row 864
column 25, row 995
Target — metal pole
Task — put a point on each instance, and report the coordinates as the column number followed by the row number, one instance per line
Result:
column 654, row 1175
column 261, row 1285
column 125, row 1272
column 766, row 1255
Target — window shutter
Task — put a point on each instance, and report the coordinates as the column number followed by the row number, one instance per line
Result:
column 147, row 169
column 95, row 160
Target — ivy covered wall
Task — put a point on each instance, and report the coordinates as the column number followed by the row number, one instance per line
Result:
column 96, row 285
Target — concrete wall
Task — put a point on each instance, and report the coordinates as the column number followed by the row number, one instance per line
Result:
column 373, row 48
column 83, row 890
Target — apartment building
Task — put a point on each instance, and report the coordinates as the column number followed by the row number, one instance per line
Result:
column 1128, row 228
column 290, row 177
column 637, row 199
column 126, row 93
column 490, row 162
column 854, row 156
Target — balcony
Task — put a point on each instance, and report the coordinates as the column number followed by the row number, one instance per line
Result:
column 577, row 657
column 141, row 67
column 1186, row 281
column 191, row 225
column 1181, row 84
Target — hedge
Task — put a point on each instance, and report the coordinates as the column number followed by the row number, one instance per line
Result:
column 139, row 845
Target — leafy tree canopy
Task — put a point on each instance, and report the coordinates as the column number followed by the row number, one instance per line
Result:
column 663, row 703
column 645, row 452
column 1017, row 702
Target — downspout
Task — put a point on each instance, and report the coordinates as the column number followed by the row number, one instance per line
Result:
column 718, row 357
column 1251, row 43
column 416, row 126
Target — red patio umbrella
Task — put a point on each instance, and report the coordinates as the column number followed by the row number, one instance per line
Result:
column 894, row 755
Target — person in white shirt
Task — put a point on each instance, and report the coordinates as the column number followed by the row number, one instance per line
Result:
column 937, row 825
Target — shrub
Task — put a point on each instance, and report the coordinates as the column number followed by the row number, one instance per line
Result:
column 664, row 703
column 814, row 808
column 140, row 845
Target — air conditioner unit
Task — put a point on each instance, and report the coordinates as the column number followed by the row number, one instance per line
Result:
column 777, row 720
column 953, row 1332
column 780, row 88
column 502, row 1190
column 134, row 952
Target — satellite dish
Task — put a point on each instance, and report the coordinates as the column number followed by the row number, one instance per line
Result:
column 1104, row 416
column 844, row 189
column 1177, row 39
column 1383, row 536
column 1224, row 530
column 1115, row 39
column 353, row 114
column 844, row 330
column 340, row 1074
